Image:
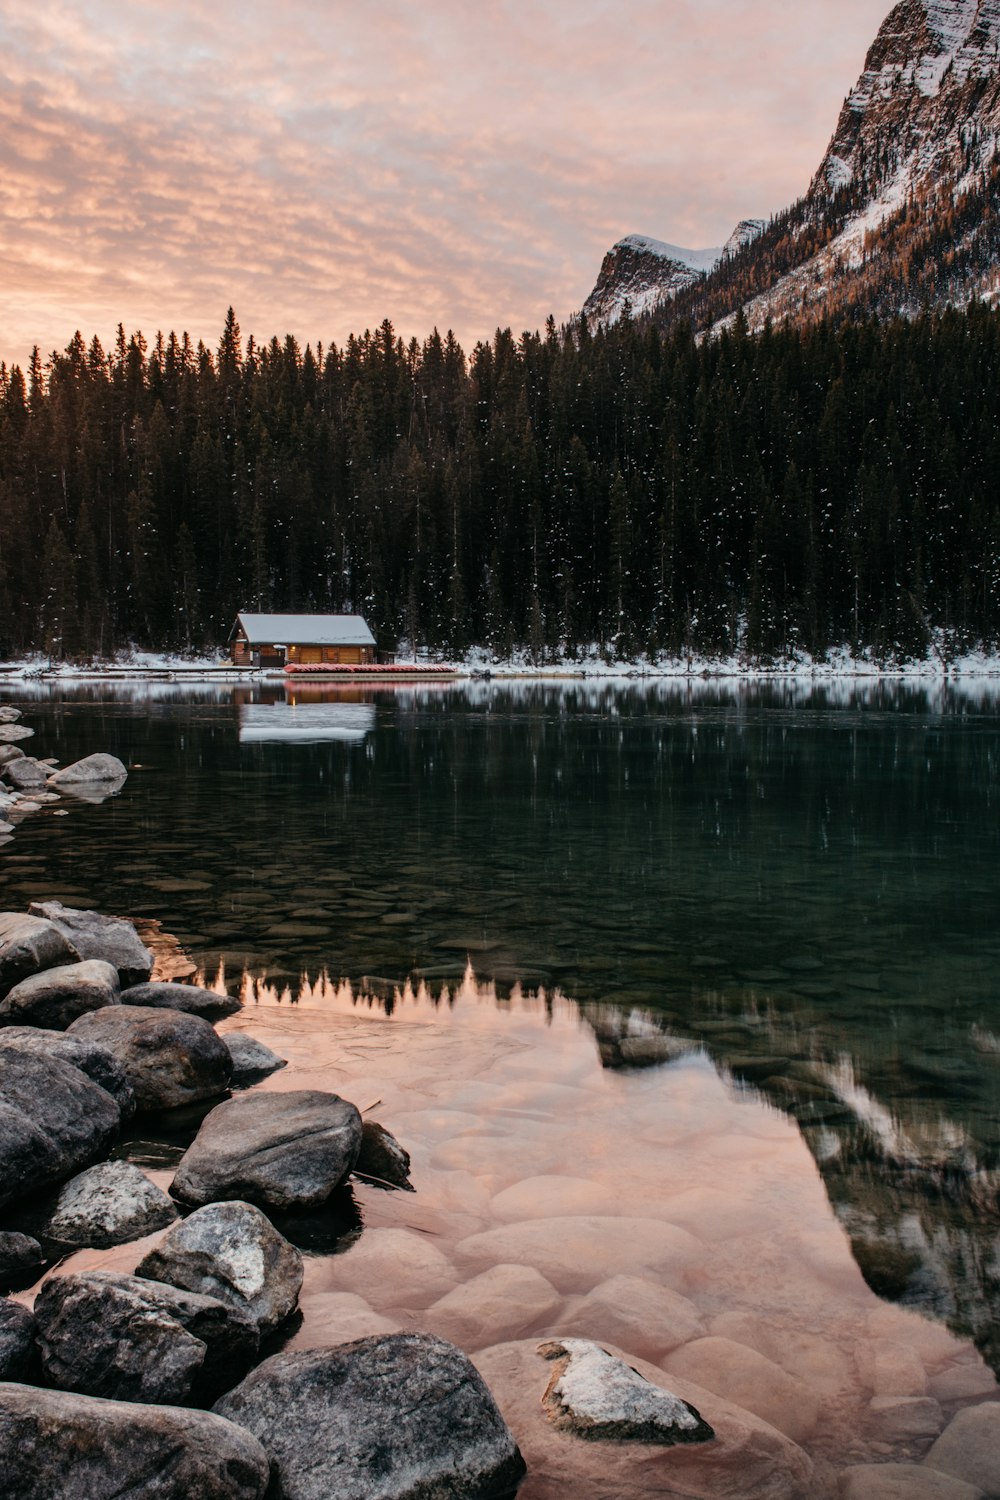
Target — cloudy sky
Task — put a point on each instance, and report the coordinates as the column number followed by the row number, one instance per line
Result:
column 323, row 164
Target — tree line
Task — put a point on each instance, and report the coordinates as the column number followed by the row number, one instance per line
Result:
column 635, row 488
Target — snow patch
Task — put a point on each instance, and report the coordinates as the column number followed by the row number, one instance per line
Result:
column 693, row 260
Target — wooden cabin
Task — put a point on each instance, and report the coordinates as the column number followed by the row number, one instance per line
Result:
column 279, row 641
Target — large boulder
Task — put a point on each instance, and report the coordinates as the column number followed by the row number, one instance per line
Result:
column 190, row 998
column 11, row 733
column 9, row 753
column 55, row 1446
column 169, row 1058
column 95, row 936
column 100, row 1066
column 57, row 997
column 101, row 1333
column 101, row 770
column 401, row 1417
column 969, row 1447
column 233, row 1252
column 53, row 1122
column 277, row 1150
column 17, row 1341
column 252, row 1061
column 25, row 774
column 110, row 1204
column 27, row 946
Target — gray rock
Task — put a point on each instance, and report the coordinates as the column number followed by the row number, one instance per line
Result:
column 17, row 1341
column 902, row 1419
column 9, row 714
column 276, row 1150
column 969, row 1447
column 594, row 1395
column 102, row 769
column 251, row 1059
column 25, row 774
column 382, row 1156
column 11, row 733
column 19, row 1254
column 100, row 1066
column 233, row 1252
column 101, row 1333
column 9, row 753
column 109, row 1204
column 53, row 1122
column 57, row 997
column 189, row 998
column 95, row 936
column 170, row 1059
column 27, row 946
column 54, row 1446
column 400, row 1417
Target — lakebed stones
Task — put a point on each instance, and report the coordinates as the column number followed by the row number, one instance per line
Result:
column 93, row 935
column 276, row 1150
column 741, row 1375
column 17, row 1341
column 188, row 998
column 170, row 1059
column 252, row 1061
column 53, row 1122
column 903, row 1482
column 100, row 1066
column 101, row 770
column 586, row 1249
column 634, row 1313
column 381, row 1156
column 399, row 1417
column 27, row 946
column 56, row 1446
column 594, row 1395
column 231, row 1251
column 101, row 1333
column 56, row 998
column 969, row 1447
column 109, row 1204
column 503, row 1303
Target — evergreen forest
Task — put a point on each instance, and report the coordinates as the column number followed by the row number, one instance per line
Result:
column 637, row 489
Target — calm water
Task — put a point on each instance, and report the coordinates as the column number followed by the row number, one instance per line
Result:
column 803, row 882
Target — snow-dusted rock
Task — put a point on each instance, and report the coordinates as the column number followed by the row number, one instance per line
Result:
column 27, row 946
column 382, row 1156
column 169, row 1058
column 109, row 1204
column 595, row 1395
column 17, row 1341
column 94, row 935
column 233, row 1252
column 56, row 998
column 104, row 770
column 251, row 1059
column 53, row 1121
column 277, row 1150
column 189, row 998
column 100, row 1066
column 101, row 1333
column 56, row 1446
column 403, row 1417
column 969, row 1447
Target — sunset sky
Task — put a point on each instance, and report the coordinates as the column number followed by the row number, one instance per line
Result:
column 324, row 164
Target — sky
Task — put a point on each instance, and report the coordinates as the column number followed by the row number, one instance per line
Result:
column 324, row 164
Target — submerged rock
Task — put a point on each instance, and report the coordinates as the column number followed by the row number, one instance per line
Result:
column 401, row 1417
column 382, row 1156
column 53, row 1121
column 633, row 1313
column 233, row 1252
column 101, row 1333
column 594, row 1395
column 969, row 1447
column 276, row 1150
column 100, row 769
column 903, row 1482
column 189, row 998
column 57, row 997
column 93, row 935
column 17, row 1342
column 55, row 1446
column 27, row 946
column 747, row 1378
column 109, row 1204
column 169, row 1058
column 251, row 1059
column 100, row 1066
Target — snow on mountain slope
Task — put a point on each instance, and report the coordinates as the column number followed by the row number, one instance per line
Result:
column 643, row 272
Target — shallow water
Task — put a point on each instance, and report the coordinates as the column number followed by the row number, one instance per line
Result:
column 799, row 886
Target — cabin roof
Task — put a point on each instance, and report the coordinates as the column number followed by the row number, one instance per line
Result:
column 305, row 630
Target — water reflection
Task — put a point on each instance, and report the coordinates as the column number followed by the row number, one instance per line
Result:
column 296, row 722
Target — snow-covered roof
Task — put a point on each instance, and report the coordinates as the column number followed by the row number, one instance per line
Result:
column 305, row 630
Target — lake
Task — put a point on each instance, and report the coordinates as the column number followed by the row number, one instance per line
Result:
column 706, row 972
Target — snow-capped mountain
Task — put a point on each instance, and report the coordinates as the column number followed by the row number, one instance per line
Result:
column 641, row 272
column 904, row 210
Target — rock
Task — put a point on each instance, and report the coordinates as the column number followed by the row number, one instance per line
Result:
column 109, row 1204
column 100, row 1066
column 57, row 997
column 113, row 939
column 652, row 1051
column 969, row 1447
column 102, row 1333
column 11, row 733
column 902, row 1419
column 233, row 1252
column 340, row 1318
column 54, row 1446
column 27, row 946
column 747, row 1458
column 965, row 1383
column 902, row 1482
column 382, row 1156
column 25, row 774
column 17, row 1342
column 9, row 714
column 634, row 1314
column 594, row 1395
column 8, row 754
column 580, row 1251
column 402, row 1417
column 503, row 1303
column 53, row 1121
column 276, row 1150
column 188, row 998
column 19, row 1255
column 102, row 769
column 251, row 1059
column 170, row 1059
column 748, row 1379
column 394, row 1268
